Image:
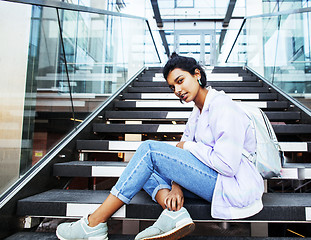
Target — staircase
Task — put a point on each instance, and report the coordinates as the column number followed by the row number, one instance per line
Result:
column 149, row 110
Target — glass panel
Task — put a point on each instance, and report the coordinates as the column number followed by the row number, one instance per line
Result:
column 14, row 47
column 152, row 54
column 45, row 83
column 278, row 48
column 189, row 45
column 197, row 10
column 293, row 66
column 37, row 110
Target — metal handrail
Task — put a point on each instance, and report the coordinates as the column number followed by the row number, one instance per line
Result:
column 79, row 8
column 300, row 10
column 72, row 7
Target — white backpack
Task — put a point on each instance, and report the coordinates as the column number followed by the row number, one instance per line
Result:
column 268, row 155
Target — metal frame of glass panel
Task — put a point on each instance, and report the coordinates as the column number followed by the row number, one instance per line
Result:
column 202, row 34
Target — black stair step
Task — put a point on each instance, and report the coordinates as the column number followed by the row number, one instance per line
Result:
column 224, row 68
column 226, row 89
column 33, row 236
column 238, row 96
column 292, row 129
column 119, row 146
column 148, row 115
column 138, row 128
column 66, row 203
column 52, row 236
column 209, row 83
column 179, row 128
column 183, row 116
column 172, row 104
column 114, row 169
column 152, row 72
column 228, row 70
column 222, row 79
column 248, row 78
column 89, row 169
column 106, row 145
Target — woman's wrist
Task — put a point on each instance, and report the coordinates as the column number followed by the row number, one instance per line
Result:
column 176, row 185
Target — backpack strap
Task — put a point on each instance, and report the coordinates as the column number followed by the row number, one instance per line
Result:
column 249, row 156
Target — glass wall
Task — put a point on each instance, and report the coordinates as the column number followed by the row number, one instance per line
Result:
column 13, row 65
column 278, row 48
column 194, row 9
column 57, row 67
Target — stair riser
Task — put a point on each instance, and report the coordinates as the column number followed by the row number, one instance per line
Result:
column 75, row 204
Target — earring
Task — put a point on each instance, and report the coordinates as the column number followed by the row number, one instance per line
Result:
column 199, row 80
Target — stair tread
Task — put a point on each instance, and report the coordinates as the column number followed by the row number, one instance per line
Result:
column 89, row 169
column 93, row 164
column 175, row 104
column 52, row 236
column 115, row 169
column 277, row 206
column 109, row 145
column 210, row 83
column 169, row 96
column 179, row 128
column 225, row 89
column 124, row 164
column 184, row 115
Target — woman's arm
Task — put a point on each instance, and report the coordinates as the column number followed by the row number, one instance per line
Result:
column 228, row 128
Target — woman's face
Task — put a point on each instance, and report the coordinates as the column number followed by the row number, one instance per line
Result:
column 184, row 85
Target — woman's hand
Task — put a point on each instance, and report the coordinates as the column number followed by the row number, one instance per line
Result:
column 180, row 144
column 175, row 199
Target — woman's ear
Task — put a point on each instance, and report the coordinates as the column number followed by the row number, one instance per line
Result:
column 197, row 73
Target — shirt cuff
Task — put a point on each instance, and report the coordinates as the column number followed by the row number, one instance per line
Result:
column 188, row 145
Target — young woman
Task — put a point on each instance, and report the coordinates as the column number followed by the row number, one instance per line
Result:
column 207, row 161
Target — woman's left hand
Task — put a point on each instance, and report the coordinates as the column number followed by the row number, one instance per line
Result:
column 180, row 144
column 174, row 201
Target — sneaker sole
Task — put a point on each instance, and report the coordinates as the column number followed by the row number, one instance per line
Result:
column 89, row 238
column 175, row 233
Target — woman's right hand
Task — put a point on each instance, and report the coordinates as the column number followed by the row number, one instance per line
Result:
column 174, row 201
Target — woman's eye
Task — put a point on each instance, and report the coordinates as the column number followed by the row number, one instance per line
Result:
column 180, row 81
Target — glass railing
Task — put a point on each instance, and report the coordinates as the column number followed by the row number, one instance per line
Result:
column 58, row 65
column 278, row 47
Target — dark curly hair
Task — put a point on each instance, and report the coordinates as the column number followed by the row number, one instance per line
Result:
column 187, row 64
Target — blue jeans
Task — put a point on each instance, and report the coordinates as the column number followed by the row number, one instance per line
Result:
column 156, row 164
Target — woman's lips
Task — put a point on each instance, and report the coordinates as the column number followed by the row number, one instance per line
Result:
column 183, row 96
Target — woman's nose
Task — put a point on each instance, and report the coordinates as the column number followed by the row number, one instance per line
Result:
column 177, row 90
